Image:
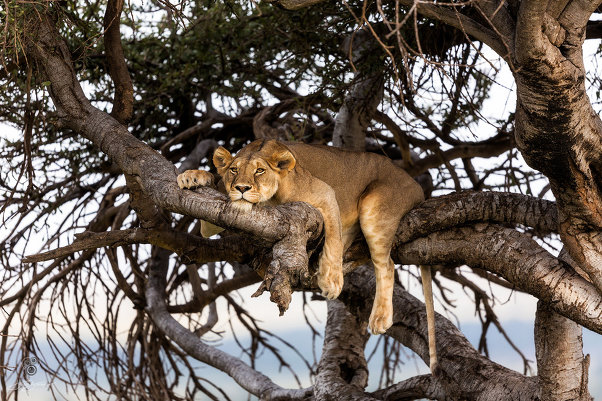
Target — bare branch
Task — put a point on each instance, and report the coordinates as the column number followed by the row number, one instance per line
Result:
column 123, row 101
column 190, row 247
column 492, row 147
column 251, row 380
column 577, row 13
column 222, row 288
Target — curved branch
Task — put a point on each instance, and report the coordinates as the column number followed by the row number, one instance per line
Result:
column 577, row 13
column 222, row 288
column 251, row 380
column 492, row 147
column 471, row 207
column 517, row 258
column 464, row 23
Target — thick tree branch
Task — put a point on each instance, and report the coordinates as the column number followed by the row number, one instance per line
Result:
column 529, row 24
column 471, row 207
column 517, row 258
column 288, row 226
column 577, row 13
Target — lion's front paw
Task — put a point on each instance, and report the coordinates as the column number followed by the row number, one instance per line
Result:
column 330, row 279
column 194, row 178
column 381, row 317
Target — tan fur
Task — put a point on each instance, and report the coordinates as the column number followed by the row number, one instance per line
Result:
column 352, row 190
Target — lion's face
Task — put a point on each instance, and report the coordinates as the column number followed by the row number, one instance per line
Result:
column 254, row 174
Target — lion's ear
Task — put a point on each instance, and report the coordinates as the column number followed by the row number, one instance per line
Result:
column 221, row 159
column 282, row 160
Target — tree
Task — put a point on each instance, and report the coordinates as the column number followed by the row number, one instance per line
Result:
column 407, row 79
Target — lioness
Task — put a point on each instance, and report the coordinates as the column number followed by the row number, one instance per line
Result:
column 352, row 190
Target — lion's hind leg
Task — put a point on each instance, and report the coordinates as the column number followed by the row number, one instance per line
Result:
column 379, row 215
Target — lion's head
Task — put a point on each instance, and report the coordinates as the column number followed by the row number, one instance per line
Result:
column 254, row 174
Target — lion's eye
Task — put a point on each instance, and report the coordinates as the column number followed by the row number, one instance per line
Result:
column 260, row 171
column 233, row 170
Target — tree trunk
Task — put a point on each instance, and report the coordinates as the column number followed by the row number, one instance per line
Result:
column 343, row 371
column 561, row 367
column 557, row 129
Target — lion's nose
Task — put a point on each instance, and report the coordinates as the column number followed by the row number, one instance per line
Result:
column 243, row 188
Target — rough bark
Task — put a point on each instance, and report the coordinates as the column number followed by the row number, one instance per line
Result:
column 561, row 135
column 191, row 248
column 465, row 374
column 557, row 130
column 342, row 371
column 417, row 387
column 517, row 258
column 504, row 251
column 248, row 378
column 470, row 207
column 561, row 367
